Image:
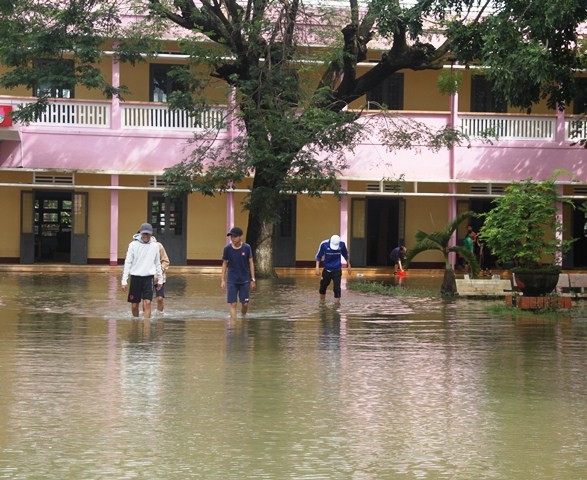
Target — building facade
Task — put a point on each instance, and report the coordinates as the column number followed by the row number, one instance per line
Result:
column 78, row 181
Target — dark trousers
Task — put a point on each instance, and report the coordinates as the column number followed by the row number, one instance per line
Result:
column 334, row 276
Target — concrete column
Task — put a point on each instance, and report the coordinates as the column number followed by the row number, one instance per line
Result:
column 114, row 194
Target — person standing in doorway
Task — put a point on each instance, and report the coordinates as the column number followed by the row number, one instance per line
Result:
column 475, row 239
column 470, row 246
column 238, row 271
column 396, row 256
column 331, row 252
column 142, row 264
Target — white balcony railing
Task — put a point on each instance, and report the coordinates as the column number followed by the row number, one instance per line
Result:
column 509, row 127
column 161, row 117
column 75, row 114
column 575, row 128
column 96, row 114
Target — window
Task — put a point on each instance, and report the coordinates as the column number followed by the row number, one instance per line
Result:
column 482, row 98
column 389, row 93
column 163, row 81
column 58, row 79
column 580, row 102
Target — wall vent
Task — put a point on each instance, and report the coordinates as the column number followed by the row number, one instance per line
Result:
column 580, row 190
column 385, row 187
column 157, row 181
column 480, row 189
column 488, row 189
column 393, row 187
column 48, row 179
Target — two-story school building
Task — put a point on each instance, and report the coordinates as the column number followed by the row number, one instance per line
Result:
column 77, row 182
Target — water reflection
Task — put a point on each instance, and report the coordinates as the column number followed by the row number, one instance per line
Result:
column 405, row 387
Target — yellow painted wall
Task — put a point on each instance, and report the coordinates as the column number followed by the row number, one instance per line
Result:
column 83, row 93
column 137, row 78
column 317, row 220
column 10, row 245
column 206, row 227
column 421, row 92
column 99, row 224
column 131, row 214
column 98, row 215
column 134, row 181
column 428, row 214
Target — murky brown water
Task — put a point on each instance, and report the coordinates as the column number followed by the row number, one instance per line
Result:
column 379, row 388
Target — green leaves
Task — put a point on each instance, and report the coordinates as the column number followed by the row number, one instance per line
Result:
column 524, row 229
column 441, row 241
column 530, row 49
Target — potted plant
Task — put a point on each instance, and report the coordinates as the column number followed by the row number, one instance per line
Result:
column 525, row 232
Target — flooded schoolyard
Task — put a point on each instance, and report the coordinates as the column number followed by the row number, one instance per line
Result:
column 404, row 387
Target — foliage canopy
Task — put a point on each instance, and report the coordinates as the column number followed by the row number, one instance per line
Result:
column 524, row 229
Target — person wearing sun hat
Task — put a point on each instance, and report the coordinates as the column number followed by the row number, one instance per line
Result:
column 332, row 251
column 142, row 263
column 238, row 271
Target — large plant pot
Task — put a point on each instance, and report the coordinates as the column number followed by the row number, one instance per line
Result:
column 536, row 284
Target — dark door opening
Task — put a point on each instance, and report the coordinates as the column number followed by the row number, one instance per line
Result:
column 284, row 235
column 377, row 227
column 169, row 220
column 483, row 253
column 384, row 229
column 53, row 212
column 579, row 231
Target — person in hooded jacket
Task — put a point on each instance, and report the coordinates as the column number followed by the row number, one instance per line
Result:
column 142, row 263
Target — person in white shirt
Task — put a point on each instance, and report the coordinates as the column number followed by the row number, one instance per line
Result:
column 142, row 264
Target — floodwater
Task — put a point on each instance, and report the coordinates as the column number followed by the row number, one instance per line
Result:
column 406, row 387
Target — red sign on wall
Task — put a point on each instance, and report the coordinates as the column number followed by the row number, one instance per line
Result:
column 5, row 118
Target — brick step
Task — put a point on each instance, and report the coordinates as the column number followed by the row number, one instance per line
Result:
column 538, row 303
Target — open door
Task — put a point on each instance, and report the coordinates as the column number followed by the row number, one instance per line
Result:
column 169, row 219
column 284, row 251
column 579, row 232
column 27, row 227
column 377, row 227
column 79, row 229
column 358, row 238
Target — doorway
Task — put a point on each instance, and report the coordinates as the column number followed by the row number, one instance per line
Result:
column 377, row 226
column 169, row 219
column 579, row 230
column 54, row 227
column 482, row 251
column 284, row 234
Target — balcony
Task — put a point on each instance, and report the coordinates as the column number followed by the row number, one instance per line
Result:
column 149, row 116
column 138, row 116
column 127, row 137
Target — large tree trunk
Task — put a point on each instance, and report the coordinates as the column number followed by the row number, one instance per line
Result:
column 260, row 237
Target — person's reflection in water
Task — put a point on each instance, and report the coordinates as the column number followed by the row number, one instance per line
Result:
column 237, row 336
column 332, row 327
column 145, row 330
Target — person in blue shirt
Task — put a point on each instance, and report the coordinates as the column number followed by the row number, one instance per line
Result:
column 238, row 271
column 396, row 256
column 331, row 251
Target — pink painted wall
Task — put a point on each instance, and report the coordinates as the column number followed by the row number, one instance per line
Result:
column 100, row 150
column 122, row 150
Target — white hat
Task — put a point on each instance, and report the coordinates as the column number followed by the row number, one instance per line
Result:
column 334, row 242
